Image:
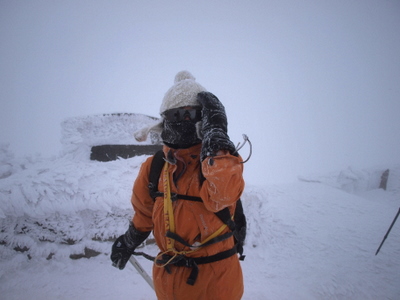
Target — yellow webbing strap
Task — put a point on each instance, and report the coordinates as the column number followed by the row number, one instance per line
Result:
column 168, row 210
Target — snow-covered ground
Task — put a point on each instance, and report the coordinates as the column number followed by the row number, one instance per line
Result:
column 311, row 239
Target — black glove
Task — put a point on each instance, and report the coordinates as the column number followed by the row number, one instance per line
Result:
column 125, row 245
column 214, row 126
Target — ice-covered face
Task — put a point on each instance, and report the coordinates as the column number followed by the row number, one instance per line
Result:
column 179, row 127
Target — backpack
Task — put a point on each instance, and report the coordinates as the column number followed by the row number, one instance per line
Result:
column 237, row 225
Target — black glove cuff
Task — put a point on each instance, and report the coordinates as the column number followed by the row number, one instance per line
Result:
column 214, row 141
column 134, row 237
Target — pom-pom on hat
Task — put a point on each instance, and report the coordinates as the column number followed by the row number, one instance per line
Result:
column 182, row 93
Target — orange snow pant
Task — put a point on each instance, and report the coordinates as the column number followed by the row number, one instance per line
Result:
column 220, row 280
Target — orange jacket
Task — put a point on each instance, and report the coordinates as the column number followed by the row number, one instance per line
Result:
column 194, row 222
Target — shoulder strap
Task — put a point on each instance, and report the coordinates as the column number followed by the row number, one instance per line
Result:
column 155, row 171
column 225, row 216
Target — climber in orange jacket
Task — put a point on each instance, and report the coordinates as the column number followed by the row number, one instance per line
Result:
column 202, row 175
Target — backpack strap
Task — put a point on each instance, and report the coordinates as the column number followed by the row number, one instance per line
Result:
column 241, row 227
column 155, row 170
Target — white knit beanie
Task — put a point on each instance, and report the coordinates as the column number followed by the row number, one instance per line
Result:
column 182, row 93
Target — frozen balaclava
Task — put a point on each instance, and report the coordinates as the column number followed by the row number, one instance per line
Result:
column 181, row 133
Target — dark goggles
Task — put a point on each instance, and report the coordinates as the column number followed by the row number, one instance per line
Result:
column 183, row 114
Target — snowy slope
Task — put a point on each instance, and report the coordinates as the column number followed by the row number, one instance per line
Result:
column 313, row 239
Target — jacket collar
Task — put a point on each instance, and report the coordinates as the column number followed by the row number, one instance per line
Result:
column 188, row 154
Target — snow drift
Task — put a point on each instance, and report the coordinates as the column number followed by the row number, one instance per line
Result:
column 314, row 239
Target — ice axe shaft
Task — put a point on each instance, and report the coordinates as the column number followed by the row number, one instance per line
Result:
column 141, row 271
column 387, row 233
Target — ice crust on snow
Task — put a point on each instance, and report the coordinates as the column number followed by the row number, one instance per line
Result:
column 314, row 239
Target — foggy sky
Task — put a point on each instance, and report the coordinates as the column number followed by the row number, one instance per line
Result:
column 314, row 84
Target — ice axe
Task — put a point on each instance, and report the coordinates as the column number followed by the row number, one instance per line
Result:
column 387, row 233
column 141, row 271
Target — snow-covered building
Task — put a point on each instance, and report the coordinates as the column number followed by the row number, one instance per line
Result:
column 106, row 137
